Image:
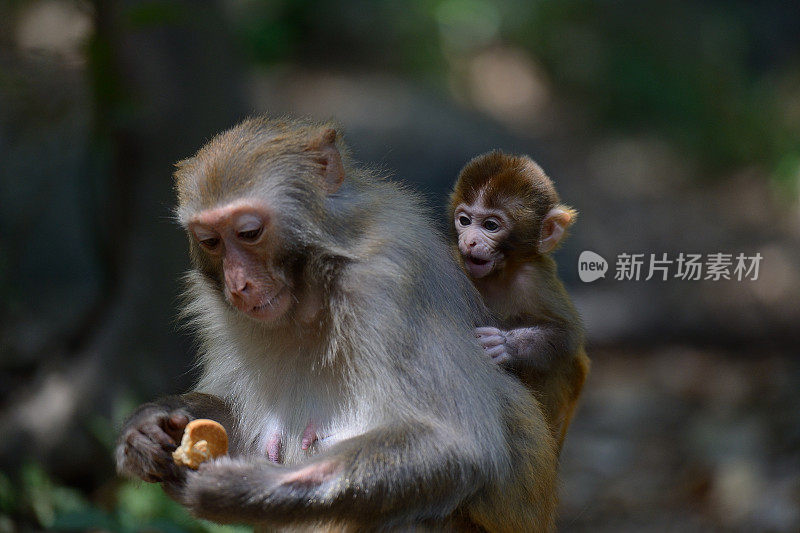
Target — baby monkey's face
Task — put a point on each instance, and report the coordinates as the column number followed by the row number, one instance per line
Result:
column 481, row 232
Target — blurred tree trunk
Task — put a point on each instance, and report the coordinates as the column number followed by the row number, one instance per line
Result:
column 163, row 77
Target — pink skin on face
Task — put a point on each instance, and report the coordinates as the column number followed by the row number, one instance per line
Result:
column 480, row 231
column 238, row 234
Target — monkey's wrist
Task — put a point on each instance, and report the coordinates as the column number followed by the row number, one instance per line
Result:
column 512, row 345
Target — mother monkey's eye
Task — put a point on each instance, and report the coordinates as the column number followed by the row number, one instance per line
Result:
column 210, row 242
column 249, row 235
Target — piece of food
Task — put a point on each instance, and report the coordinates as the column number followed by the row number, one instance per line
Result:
column 203, row 439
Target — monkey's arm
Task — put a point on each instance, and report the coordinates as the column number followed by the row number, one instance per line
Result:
column 403, row 472
column 537, row 346
column 152, row 432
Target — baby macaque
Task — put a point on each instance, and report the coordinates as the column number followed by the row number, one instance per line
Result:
column 508, row 218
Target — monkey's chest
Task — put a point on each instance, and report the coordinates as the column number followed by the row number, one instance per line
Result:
column 294, row 427
column 286, row 442
column 516, row 298
column 516, row 310
column 290, row 408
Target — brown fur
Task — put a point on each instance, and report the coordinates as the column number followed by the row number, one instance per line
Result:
column 526, row 291
column 515, row 184
column 418, row 430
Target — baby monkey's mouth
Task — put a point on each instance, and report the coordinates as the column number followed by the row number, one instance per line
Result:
column 476, row 260
column 478, row 267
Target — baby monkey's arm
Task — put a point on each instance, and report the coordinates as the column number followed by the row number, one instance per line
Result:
column 535, row 346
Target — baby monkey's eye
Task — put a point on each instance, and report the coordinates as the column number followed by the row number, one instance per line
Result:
column 491, row 225
column 464, row 221
column 249, row 235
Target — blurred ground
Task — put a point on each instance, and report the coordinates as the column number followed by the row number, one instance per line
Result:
column 684, row 439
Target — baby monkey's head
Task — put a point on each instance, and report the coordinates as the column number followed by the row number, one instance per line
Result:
column 505, row 208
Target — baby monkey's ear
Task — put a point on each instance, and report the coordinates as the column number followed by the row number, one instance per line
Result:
column 329, row 159
column 554, row 227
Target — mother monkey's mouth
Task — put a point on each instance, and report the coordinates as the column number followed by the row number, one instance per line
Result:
column 272, row 306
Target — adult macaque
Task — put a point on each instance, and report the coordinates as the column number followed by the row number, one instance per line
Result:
column 325, row 302
column 508, row 219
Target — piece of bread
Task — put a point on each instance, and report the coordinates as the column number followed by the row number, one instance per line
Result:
column 203, row 439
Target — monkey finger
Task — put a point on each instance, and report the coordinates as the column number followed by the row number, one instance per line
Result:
column 144, row 459
column 142, row 450
column 495, row 351
column 486, row 331
column 175, row 424
column 502, row 358
column 177, row 421
column 157, row 435
column 492, row 340
column 136, row 440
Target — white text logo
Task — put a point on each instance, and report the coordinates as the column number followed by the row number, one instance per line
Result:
column 591, row 266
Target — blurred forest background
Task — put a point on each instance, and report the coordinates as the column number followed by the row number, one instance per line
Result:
column 671, row 126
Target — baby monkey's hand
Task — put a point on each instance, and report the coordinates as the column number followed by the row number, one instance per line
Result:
column 495, row 344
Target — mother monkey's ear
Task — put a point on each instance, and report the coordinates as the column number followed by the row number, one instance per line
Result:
column 329, row 159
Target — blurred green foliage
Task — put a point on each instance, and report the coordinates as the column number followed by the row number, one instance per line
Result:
column 686, row 70
column 156, row 13
column 708, row 76
column 34, row 500
column 31, row 499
